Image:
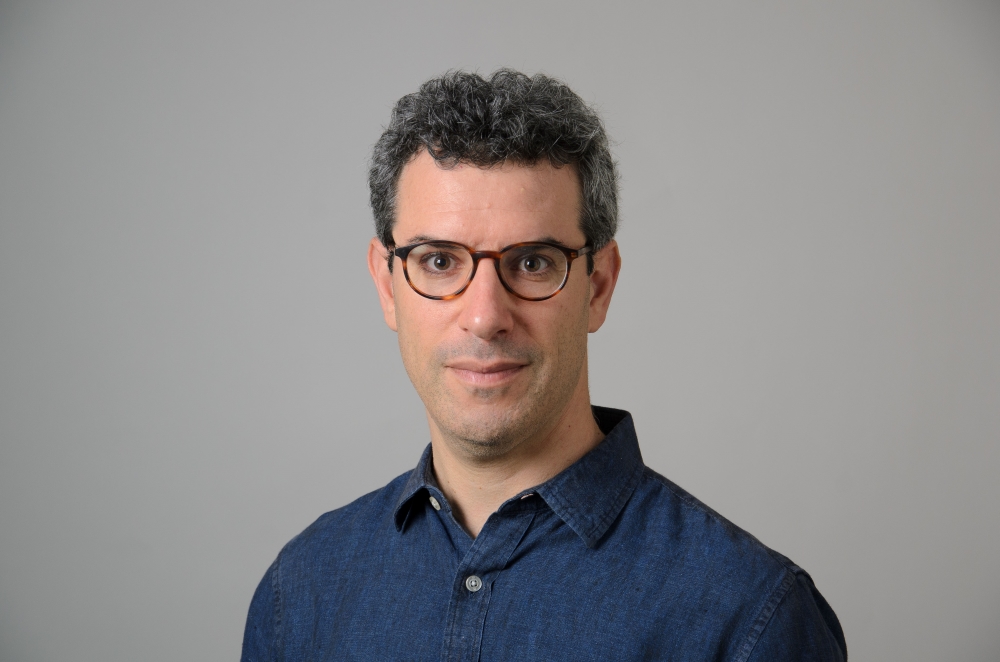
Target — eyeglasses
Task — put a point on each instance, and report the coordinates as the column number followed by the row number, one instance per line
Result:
column 442, row 270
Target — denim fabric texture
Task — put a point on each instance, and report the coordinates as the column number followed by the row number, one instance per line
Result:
column 606, row 561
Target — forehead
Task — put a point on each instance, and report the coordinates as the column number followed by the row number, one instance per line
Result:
column 487, row 208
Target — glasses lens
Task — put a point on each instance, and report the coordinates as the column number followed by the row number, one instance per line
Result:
column 438, row 269
column 534, row 271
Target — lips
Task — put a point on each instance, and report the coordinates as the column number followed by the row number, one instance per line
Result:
column 484, row 366
column 485, row 374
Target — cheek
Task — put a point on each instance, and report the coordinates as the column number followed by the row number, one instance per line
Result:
column 574, row 331
column 563, row 330
column 420, row 326
column 576, row 306
column 412, row 349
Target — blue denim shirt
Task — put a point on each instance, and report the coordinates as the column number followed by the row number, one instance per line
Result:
column 606, row 561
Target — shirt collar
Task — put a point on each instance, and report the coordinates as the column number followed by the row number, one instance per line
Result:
column 587, row 496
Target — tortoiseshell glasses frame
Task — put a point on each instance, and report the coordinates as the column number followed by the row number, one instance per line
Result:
column 570, row 254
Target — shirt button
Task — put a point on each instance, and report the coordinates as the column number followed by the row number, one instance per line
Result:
column 434, row 504
column 473, row 583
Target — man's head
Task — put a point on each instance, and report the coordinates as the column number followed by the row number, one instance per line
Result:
column 508, row 118
column 486, row 165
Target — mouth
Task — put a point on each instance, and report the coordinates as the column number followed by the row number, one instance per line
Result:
column 481, row 374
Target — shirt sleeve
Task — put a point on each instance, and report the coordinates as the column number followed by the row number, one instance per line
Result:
column 260, row 637
column 802, row 627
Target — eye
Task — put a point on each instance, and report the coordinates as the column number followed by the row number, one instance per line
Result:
column 532, row 263
column 438, row 262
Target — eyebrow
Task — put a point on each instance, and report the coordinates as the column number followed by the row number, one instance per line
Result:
column 423, row 237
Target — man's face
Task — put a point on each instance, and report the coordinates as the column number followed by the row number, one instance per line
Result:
column 492, row 370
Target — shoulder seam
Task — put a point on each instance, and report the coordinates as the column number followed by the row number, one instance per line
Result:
column 681, row 494
column 766, row 614
column 693, row 502
column 276, row 652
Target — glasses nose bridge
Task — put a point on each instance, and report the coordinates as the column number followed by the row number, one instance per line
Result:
column 479, row 255
column 496, row 256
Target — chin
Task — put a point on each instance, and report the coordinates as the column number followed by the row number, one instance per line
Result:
column 488, row 431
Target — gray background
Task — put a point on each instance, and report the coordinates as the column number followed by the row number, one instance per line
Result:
column 193, row 365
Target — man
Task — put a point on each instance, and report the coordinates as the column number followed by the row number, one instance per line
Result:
column 530, row 529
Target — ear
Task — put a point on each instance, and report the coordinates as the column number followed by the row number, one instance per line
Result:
column 607, row 265
column 378, row 266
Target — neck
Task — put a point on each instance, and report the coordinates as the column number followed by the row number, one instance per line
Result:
column 476, row 487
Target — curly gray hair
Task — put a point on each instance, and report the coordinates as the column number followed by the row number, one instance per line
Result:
column 461, row 117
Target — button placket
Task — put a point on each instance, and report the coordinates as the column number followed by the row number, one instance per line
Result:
column 473, row 586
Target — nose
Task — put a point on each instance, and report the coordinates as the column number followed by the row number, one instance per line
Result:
column 486, row 305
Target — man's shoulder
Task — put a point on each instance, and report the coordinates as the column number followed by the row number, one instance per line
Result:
column 708, row 560
column 694, row 535
column 356, row 521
